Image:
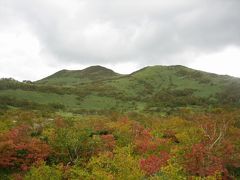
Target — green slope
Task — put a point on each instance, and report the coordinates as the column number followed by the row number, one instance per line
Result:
column 154, row 88
column 156, row 78
column 76, row 77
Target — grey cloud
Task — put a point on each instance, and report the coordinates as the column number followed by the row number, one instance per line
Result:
column 142, row 31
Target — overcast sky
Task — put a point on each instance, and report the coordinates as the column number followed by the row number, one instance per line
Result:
column 39, row 37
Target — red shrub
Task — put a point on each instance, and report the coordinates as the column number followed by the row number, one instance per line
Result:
column 153, row 163
column 145, row 146
column 145, row 142
column 202, row 162
column 20, row 150
column 109, row 141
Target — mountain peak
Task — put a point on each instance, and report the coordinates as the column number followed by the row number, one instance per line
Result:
column 73, row 77
column 97, row 69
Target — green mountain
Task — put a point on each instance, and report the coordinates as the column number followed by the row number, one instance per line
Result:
column 98, row 89
column 76, row 77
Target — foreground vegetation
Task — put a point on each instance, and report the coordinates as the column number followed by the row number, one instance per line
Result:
column 36, row 145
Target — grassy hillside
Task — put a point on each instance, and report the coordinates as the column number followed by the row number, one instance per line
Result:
column 155, row 88
column 76, row 77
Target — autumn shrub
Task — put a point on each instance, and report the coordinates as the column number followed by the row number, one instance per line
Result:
column 122, row 131
column 173, row 170
column 108, row 142
column 153, row 163
column 145, row 142
column 18, row 150
column 43, row 172
column 121, row 164
column 202, row 162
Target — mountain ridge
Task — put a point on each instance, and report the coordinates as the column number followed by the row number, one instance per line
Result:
column 96, row 88
column 89, row 74
column 97, row 68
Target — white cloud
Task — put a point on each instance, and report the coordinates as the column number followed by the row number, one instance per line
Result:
column 39, row 37
column 226, row 62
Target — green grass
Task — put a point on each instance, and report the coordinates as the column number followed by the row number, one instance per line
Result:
column 42, row 98
column 97, row 102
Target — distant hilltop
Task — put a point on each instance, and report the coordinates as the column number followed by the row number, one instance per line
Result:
column 96, row 89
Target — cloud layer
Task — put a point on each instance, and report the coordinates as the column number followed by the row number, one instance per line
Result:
column 123, row 31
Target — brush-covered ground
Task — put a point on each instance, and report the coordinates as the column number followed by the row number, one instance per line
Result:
column 161, row 122
column 39, row 145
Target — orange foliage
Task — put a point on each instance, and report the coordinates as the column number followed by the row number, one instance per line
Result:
column 109, row 141
column 153, row 163
column 19, row 150
column 145, row 142
column 201, row 162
